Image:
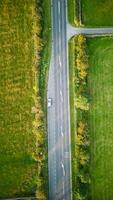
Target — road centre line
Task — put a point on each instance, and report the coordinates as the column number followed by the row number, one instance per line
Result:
column 59, row 14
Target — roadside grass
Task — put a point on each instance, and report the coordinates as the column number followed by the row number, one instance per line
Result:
column 21, row 129
column 100, row 80
column 46, row 51
column 72, row 112
column 44, row 64
column 97, row 13
column 73, row 12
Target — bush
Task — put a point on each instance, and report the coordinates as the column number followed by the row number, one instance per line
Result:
column 81, row 57
column 81, row 102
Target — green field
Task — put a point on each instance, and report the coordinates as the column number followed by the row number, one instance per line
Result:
column 97, row 13
column 18, row 61
column 100, row 79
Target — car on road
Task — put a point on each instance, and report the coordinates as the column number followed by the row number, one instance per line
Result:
column 49, row 102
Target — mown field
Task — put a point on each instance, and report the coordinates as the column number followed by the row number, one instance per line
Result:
column 20, row 107
column 100, row 81
column 97, row 13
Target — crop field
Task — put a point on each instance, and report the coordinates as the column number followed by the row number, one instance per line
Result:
column 97, row 13
column 100, row 116
column 18, row 170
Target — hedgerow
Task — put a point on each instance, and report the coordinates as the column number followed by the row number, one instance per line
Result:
column 82, row 105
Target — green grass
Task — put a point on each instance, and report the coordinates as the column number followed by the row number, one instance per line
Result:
column 97, row 13
column 73, row 12
column 18, row 170
column 44, row 71
column 101, row 116
column 72, row 111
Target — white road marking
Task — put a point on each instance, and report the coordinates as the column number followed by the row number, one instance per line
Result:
column 60, row 92
column 60, row 61
column 61, row 95
column 62, row 133
column 62, row 165
column 63, row 187
column 59, row 14
column 63, row 169
column 59, row 7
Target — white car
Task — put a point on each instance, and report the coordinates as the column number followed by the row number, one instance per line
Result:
column 49, row 102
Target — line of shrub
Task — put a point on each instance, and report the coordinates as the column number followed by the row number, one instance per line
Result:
column 82, row 106
column 72, row 112
column 40, row 127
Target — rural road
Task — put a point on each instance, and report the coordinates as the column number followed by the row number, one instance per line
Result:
column 59, row 144
column 59, row 157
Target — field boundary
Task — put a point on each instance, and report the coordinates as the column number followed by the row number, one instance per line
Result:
column 72, row 114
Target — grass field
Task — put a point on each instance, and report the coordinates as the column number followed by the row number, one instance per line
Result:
column 101, row 116
column 18, row 60
column 97, row 13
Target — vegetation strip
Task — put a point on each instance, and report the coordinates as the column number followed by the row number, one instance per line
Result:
column 74, row 15
column 72, row 112
column 82, row 106
column 45, row 34
column 80, row 155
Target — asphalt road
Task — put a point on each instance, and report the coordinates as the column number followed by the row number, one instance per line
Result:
column 59, row 157
column 71, row 31
column 59, row 151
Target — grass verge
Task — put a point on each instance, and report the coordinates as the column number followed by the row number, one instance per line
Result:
column 46, row 51
column 44, row 70
column 72, row 111
column 79, row 103
column 73, row 12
